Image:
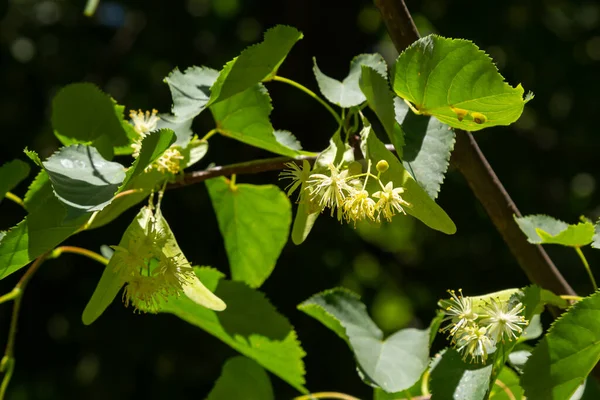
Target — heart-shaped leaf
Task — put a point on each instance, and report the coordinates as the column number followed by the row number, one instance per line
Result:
column 394, row 364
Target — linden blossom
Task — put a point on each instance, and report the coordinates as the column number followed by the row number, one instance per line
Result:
column 476, row 335
column 143, row 124
column 345, row 191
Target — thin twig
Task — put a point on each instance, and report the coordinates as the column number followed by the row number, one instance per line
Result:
column 480, row 176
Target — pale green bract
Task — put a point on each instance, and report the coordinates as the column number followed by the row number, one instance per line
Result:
column 454, row 81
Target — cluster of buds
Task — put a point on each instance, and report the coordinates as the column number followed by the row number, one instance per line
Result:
column 143, row 124
column 343, row 189
column 475, row 334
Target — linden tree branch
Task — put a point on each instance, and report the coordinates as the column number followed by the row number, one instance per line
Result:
column 470, row 161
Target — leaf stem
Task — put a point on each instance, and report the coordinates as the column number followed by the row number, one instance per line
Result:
column 573, row 298
column 8, row 361
column 210, row 134
column 78, row 250
column 13, row 294
column 326, row 395
column 310, row 93
column 587, row 267
column 14, row 198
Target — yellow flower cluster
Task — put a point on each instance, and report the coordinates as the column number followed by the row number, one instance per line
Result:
column 345, row 193
column 148, row 273
column 475, row 334
column 143, row 124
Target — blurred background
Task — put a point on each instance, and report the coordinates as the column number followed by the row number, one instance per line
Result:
column 548, row 162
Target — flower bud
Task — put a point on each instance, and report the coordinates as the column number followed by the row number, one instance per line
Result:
column 382, row 166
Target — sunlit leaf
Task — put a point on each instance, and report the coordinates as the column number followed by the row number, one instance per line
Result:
column 454, row 81
column 347, row 93
column 566, row 354
column 255, row 64
column 255, row 222
column 542, row 229
column 250, row 325
column 507, row 386
column 394, row 363
column 245, row 117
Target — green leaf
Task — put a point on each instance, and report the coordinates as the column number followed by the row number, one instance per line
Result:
column 421, row 206
column 195, row 151
column 453, row 378
column 250, row 325
column 39, row 189
column 245, row 117
column 181, row 127
column 255, row 64
column 376, row 89
column 11, row 174
column 255, row 223
column 149, row 234
column 347, row 93
column 394, row 364
column 427, row 150
column 82, row 178
column 454, row 81
column 190, row 90
column 287, row 139
column 542, row 229
column 43, row 229
column 507, row 382
column 242, row 378
column 153, row 146
column 567, row 354
column 82, row 113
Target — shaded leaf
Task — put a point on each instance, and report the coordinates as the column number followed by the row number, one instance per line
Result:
column 453, row 378
column 255, row 64
column 376, row 89
column 242, row 378
column 255, row 222
column 245, row 117
column 427, row 149
column 190, row 90
column 83, row 114
column 82, row 179
column 566, row 354
column 542, row 229
column 394, row 364
column 153, row 146
column 11, row 174
column 250, row 325
column 457, row 83
column 347, row 93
